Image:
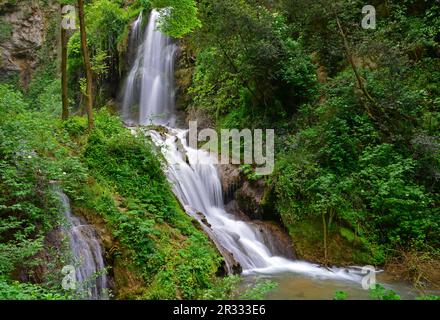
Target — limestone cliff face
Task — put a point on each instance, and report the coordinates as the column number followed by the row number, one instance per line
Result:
column 24, row 27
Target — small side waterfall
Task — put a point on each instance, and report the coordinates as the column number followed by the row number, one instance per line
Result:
column 198, row 185
column 149, row 94
column 87, row 254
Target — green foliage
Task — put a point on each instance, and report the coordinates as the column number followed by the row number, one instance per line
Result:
column 368, row 167
column 152, row 217
column 26, row 291
column 173, row 256
column 248, row 62
column 378, row 200
column 75, row 126
column 178, row 17
column 231, row 287
column 340, row 295
column 44, row 93
column 259, row 291
column 130, row 163
column 399, row 206
column 207, row 94
column 248, row 171
column 429, row 297
column 223, row 289
column 33, row 155
column 50, row 98
column 194, row 266
column 378, row 292
column 11, row 101
column 105, row 47
column 361, row 172
column 105, row 13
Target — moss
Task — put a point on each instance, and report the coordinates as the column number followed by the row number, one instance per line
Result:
column 5, row 30
column 347, row 234
column 155, row 249
column 343, row 246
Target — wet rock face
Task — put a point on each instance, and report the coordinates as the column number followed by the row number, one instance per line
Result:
column 255, row 200
column 249, row 195
column 230, row 179
column 249, row 198
column 276, row 239
column 246, row 200
column 24, row 27
column 271, row 233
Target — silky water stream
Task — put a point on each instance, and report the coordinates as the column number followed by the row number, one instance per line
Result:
column 87, row 254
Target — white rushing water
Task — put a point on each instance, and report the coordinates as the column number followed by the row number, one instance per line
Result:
column 87, row 258
column 149, row 94
column 198, row 185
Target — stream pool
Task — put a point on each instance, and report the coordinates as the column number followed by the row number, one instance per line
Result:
column 293, row 286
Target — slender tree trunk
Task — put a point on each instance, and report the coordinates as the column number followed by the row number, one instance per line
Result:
column 324, row 225
column 85, row 53
column 64, row 97
column 330, row 218
column 350, row 59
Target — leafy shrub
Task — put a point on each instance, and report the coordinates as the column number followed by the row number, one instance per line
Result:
column 152, row 218
column 11, row 101
column 259, row 291
column 340, row 295
column 180, row 18
column 33, row 156
column 378, row 292
column 26, row 291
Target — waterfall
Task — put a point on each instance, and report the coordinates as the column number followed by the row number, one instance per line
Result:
column 149, row 93
column 87, row 257
column 198, row 185
column 199, row 189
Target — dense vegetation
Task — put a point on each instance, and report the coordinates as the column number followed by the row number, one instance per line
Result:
column 356, row 114
column 111, row 176
column 357, row 163
column 356, row 117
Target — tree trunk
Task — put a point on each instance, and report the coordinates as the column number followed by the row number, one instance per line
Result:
column 64, row 97
column 324, row 225
column 85, row 53
column 359, row 79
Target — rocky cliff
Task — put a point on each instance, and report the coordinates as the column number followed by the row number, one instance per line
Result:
column 24, row 28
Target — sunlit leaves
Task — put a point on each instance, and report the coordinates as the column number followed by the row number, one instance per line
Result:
column 178, row 17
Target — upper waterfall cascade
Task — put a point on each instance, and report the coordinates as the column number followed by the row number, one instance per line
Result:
column 149, row 92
